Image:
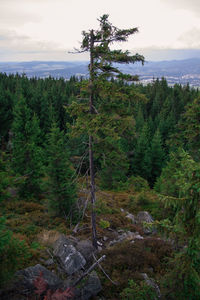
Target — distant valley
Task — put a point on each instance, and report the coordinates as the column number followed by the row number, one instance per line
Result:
column 175, row 71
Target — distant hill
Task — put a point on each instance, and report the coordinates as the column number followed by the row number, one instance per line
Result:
column 175, row 71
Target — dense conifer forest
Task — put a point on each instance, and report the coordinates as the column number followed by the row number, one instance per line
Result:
column 145, row 142
column 154, row 157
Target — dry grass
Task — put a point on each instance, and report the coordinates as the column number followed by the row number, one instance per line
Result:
column 48, row 237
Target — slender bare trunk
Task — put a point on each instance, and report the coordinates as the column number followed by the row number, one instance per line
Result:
column 91, row 158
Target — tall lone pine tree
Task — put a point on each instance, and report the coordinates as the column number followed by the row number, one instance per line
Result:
column 97, row 43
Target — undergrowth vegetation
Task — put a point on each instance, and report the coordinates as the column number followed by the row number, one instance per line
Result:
column 146, row 158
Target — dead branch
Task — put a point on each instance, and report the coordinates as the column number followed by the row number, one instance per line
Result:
column 115, row 283
column 96, row 111
column 76, row 51
column 75, row 230
column 89, row 270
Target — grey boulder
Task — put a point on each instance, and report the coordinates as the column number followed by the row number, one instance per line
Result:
column 86, row 248
column 131, row 217
column 70, row 259
column 91, row 287
column 145, row 217
column 25, row 278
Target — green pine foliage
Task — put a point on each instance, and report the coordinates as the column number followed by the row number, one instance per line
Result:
column 6, row 113
column 141, row 162
column 4, row 178
column 14, row 253
column 114, row 168
column 27, row 155
column 105, row 111
column 117, row 105
column 156, row 157
column 188, row 129
column 138, row 291
column 137, row 134
column 184, row 276
column 166, row 183
column 61, row 188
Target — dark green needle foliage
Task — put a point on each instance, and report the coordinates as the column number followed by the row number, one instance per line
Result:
column 182, row 281
column 27, row 155
column 99, row 115
column 4, row 178
column 105, row 111
column 13, row 253
column 62, row 189
column 156, row 157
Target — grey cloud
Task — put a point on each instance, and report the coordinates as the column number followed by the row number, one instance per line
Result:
column 14, row 47
column 193, row 5
column 11, row 40
column 12, row 14
column 191, row 38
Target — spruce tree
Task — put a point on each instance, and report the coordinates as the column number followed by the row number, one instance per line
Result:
column 4, row 178
column 141, row 161
column 190, row 127
column 184, row 273
column 62, row 190
column 27, row 155
column 156, row 157
column 6, row 113
column 101, row 68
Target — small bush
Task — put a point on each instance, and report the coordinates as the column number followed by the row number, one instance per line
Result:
column 137, row 184
column 13, row 252
column 102, row 207
column 143, row 199
column 140, row 291
column 104, row 224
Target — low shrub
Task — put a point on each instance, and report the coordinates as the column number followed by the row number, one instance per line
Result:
column 101, row 207
column 104, row 224
column 13, row 252
column 137, row 184
column 143, row 199
column 132, row 259
column 138, row 291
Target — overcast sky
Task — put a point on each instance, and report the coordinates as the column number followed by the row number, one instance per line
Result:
column 48, row 29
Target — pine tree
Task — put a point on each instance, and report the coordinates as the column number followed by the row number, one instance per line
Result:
column 27, row 156
column 157, row 157
column 4, row 178
column 190, row 127
column 6, row 114
column 141, row 164
column 114, row 167
column 184, row 274
column 187, row 131
column 97, row 43
column 62, row 190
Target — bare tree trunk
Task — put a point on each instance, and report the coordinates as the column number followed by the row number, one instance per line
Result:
column 91, row 158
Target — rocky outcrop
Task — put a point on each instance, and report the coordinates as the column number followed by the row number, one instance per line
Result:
column 86, row 248
column 70, row 259
column 91, row 287
column 131, row 217
column 125, row 235
column 145, row 217
column 72, row 256
column 25, row 278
